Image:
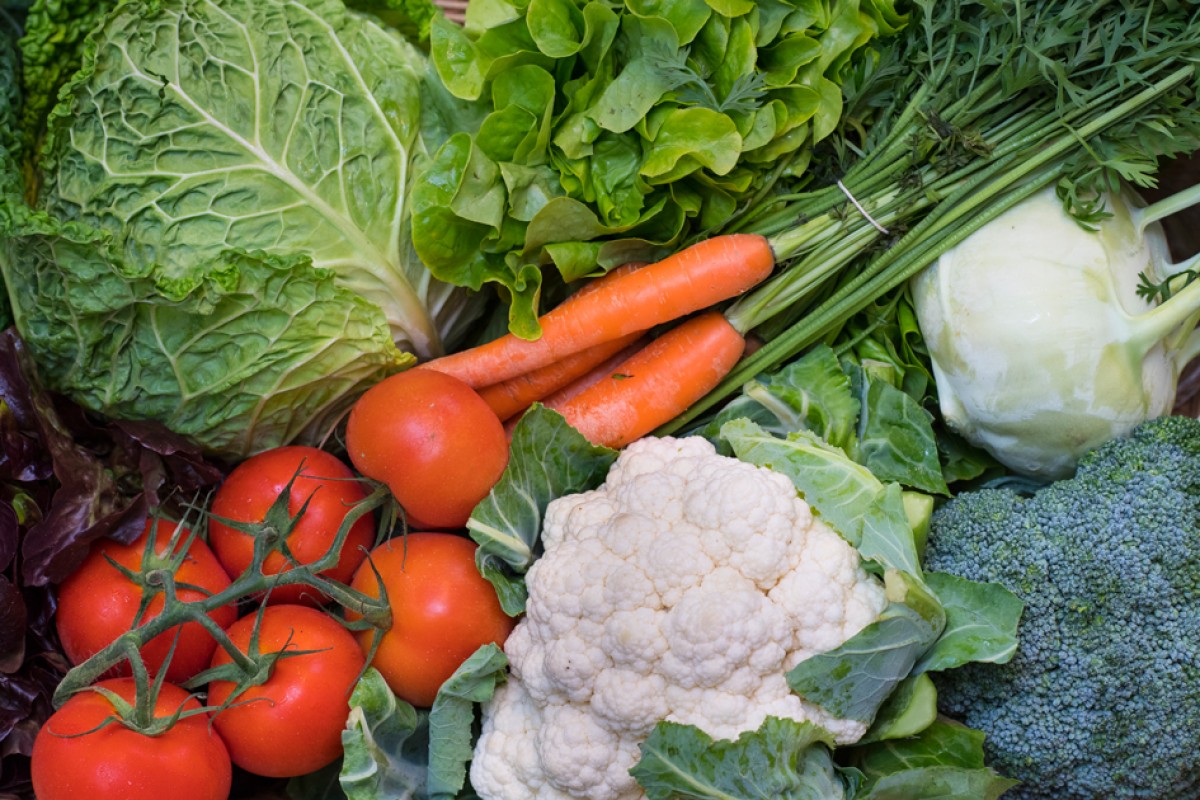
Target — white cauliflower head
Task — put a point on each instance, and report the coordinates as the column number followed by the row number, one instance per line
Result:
column 683, row 589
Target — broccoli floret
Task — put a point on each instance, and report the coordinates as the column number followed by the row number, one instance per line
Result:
column 1102, row 699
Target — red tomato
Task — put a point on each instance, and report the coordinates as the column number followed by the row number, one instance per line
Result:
column 329, row 488
column 291, row 724
column 443, row 610
column 433, row 440
column 188, row 762
column 96, row 604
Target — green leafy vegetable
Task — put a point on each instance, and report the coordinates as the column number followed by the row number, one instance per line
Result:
column 811, row 393
column 386, row 742
column 51, row 53
column 55, row 29
column 945, row 761
column 220, row 239
column 896, row 440
column 788, row 760
column 779, row 761
column 909, row 709
column 10, row 144
column 850, row 407
column 396, row 751
column 654, row 119
column 853, row 681
column 452, row 718
column 410, row 17
column 981, row 623
column 548, row 459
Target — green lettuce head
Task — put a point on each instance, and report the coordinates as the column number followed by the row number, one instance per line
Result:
column 219, row 236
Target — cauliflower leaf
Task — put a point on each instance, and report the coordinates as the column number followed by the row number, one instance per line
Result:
column 394, row 750
column 548, row 459
column 776, row 762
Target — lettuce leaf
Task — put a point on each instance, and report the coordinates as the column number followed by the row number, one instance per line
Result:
column 666, row 117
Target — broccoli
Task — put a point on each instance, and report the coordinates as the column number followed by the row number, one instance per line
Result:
column 1102, row 699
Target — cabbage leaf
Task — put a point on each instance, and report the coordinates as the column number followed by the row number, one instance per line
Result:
column 220, row 239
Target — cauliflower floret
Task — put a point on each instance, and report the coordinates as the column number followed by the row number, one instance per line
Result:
column 683, row 589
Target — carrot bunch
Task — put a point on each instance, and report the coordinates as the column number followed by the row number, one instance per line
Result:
column 596, row 362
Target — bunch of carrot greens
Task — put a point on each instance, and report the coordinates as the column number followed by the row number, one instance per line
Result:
column 988, row 104
column 974, row 107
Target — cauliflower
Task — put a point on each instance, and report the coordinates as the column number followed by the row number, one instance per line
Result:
column 683, row 589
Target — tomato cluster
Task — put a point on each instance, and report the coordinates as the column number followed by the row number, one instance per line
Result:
column 277, row 680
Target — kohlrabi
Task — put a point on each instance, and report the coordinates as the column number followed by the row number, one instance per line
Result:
column 1042, row 345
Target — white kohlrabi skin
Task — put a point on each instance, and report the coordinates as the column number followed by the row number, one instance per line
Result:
column 1041, row 347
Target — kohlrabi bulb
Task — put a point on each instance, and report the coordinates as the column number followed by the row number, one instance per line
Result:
column 1042, row 348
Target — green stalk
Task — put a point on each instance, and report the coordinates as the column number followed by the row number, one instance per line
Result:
column 1180, row 201
column 1016, row 171
column 1174, row 317
column 251, row 583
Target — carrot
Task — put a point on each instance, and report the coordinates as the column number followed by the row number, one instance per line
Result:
column 510, row 397
column 606, row 369
column 690, row 280
column 514, row 395
column 657, row 383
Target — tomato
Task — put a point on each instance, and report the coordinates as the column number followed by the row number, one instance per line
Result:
column 187, row 762
column 433, row 440
column 96, row 604
column 443, row 610
column 326, row 484
column 292, row 723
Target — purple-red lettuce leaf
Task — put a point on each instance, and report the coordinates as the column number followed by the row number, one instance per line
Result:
column 107, row 476
column 65, row 481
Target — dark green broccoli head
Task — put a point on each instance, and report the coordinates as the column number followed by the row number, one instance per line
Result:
column 1102, row 699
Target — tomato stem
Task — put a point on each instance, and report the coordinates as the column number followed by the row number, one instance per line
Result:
column 156, row 577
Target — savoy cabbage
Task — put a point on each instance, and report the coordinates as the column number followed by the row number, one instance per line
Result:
column 214, row 231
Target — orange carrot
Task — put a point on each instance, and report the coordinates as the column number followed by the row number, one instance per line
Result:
column 690, row 280
column 510, row 397
column 514, row 395
column 657, row 383
column 606, row 369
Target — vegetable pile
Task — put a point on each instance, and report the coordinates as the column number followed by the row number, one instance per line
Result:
column 610, row 400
